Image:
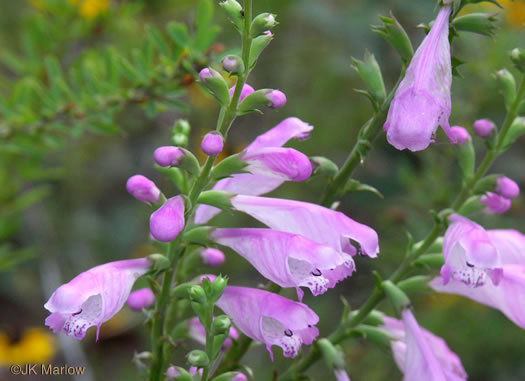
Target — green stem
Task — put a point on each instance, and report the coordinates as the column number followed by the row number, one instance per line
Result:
column 375, row 298
column 157, row 342
column 161, row 350
column 367, row 134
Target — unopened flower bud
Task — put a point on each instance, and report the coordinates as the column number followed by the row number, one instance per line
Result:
column 205, row 74
column 221, row 324
column 197, row 294
column 234, row 11
column 262, row 23
column 483, row 127
column 143, row 189
column 168, row 156
column 142, row 298
column 215, row 82
column 217, row 288
column 197, row 358
column 171, row 373
column 460, row 134
column 392, row 31
column 507, row 188
column 246, row 90
column 517, row 56
column 168, row 221
column 276, row 99
column 212, row 257
column 495, row 204
column 233, row 64
column 212, row 144
column 396, row 296
column 508, row 86
column 159, row 261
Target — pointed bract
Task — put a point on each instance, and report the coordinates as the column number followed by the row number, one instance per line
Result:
column 270, row 318
column 93, row 297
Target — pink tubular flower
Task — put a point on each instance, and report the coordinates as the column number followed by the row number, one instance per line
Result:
column 143, row 189
column 508, row 293
column 495, row 204
column 469, row 254
column 142, row 298
column 288, row 260
column 276, row 99
column 166, row 223
column 419, row 354
column 168, row 156
column 317, row 223
column 268, row 163
column 246, row 90
column 212, row 257
column 93, row 297
column 422, row 100
column 197, row 332
column 270, row 318
column 507, row 188
column 483, row 127
column 460, row 134
column 212, row 144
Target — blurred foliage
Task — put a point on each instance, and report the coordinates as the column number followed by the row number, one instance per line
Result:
column 89, row 88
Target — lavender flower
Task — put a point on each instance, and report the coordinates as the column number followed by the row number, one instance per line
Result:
column 212, row 257
column 143, row 189
column 507, row 188
column 483, row 127
column 246, row 90
column 142, row 298
column 288, row 260
column 270, row 318
column 317, row 223
column 166, row 223
column 422, row 100
column 470, row 256
column 93, row 297
column 503, row 252
column 419, row 354
column 168, row 156
column 212, row 144
column 276, row 99
column 460, row 134
column 495, row 204
column 268, row 163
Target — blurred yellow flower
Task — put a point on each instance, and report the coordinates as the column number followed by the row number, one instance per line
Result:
column 90, row 8
column 514, row 11
column 36, row 346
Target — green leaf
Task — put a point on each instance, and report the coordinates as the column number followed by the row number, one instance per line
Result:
column 158, row 41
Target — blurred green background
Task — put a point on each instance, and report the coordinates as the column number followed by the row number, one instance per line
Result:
column 82, row 216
